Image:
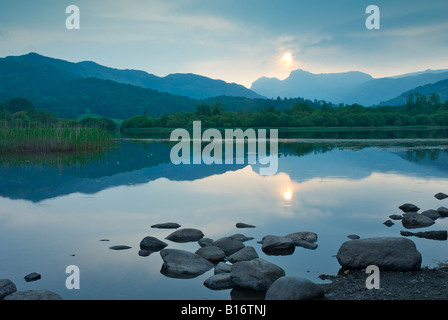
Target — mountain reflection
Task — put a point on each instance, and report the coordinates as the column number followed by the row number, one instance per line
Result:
column 141, row 161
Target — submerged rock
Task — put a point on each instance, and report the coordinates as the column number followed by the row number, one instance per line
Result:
column 388, row 253
column 257, row 274
column 409, row 207
column 185, row 235
column 412, row 220
column 396, row 216
column 294, row 288
column 183, row 264
column 305, row 244
column 353, row 236
column 434, row 235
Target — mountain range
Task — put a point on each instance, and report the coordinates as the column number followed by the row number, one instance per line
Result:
column 71, row 89
column 347, row 88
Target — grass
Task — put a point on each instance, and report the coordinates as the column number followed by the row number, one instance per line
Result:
column 62, row 139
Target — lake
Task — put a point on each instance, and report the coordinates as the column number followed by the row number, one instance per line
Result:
column 53, row 215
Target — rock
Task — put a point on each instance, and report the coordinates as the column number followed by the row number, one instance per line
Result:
column 229, row 245
column 33, row 295
column 388, row 253
column 120, row 247
column 441, row 196
column 257, row 274
column 303, row 235
column 294, row 288
column 144, row 253
column 222, row 267
column 305, row 244
column 434, row 235
column 353, row 236
column 32, row 277
column 166, row 225
column 240, row 237
column 244, row 225
column 185, row 235
column 432, row 214
column 412, row 220
column 183, row 264
column 219, row 281
column 244, row 254
column 152, row 244
column 276, row 245
column 409, row 207
column 396, row 216
column 205, row 242
column 239, row 293
column 211, row 253
column 443, row 212
column 6, row 287
column 388, row 223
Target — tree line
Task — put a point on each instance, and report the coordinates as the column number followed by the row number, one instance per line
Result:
column 418, row 110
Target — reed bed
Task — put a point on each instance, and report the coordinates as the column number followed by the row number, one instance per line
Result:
column 60, row 139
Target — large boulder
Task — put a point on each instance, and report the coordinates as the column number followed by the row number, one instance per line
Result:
column 387, row 253
column 185, row 235
column 257, row 274
column 412, row 220
column 294, row 288
column 183, row 264
column 33, row 295
column 276, row 245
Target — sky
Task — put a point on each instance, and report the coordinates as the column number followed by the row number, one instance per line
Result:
column 233, row 40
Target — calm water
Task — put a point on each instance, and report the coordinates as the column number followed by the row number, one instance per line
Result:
column 52, row 216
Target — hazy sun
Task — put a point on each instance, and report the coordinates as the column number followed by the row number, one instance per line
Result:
column 287, row 195
column 287, row 58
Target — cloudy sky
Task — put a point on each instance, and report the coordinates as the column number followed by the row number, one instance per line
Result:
column 233, row 40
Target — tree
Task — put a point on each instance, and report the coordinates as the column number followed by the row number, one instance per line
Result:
column 18, row 104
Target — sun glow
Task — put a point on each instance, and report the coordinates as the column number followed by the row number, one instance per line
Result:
column 287, row 194
column 287, row 58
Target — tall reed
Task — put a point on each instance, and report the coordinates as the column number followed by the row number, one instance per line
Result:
column 49, row 139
